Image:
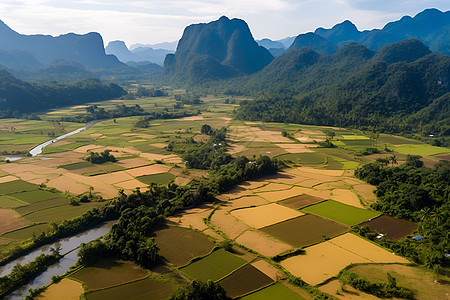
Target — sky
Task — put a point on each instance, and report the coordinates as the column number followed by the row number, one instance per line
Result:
column 154, row 21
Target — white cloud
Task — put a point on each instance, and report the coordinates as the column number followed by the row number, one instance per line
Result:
column 151, row 21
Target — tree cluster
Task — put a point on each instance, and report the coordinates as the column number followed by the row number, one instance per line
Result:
column 100, row 157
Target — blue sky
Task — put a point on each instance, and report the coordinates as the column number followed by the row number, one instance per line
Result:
column 153, row 21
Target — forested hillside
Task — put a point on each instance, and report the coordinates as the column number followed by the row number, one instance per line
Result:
column 355, row 87
column 18, row 97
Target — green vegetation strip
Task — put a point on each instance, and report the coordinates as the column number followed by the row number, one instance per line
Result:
column 16, row 186
column 34, row 196
column 41, row 205
column 25, row 233
column 160, row 178
column 275, row 291
column 341, row 213
column 143, row 289
column 214, row 266
column 60, row 213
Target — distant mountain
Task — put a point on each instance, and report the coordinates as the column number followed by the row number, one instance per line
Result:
column 340, row 33
column 140, row 54
column 156, row 56
column 430, row 26
column 268, row 44
column 219, row 49
column 120, row 50
column 146, row 67
column 354, row 87
column 170, row 46
column 85, row 49
column 314, row 42
column 287, row 41
column 18, row 59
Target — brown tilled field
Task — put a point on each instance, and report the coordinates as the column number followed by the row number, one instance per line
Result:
column 394, row 229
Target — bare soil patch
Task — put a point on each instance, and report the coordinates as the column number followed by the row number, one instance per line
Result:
column 246, row 201
column 300, row 201
column 10, row 220
column 272, row 187
column 65, row 289
column 228, row 224
column 346, row 197
column 267, row 269
column 265, row 215
column 350, row 293
column 130, row 184
column 320, row 262
column 133, row 162
column 148, row 170
column 192, row 217
column 305, row 230
column 366, row 192
column 297, row 148
column 394, row 229
column 8, row 178
column 262, row 243
column 366, row 249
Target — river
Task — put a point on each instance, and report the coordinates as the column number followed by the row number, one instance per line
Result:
column 69, row 247
column 38, row 149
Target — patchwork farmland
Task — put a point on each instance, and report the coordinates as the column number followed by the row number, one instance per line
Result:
column 256, row 239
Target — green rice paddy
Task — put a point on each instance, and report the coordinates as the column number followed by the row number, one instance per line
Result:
column 25, row 233
column 215, row 266
column 16, row 186
column 60, row 213
column 275, row 291
column 160, row 178
column 342, row 213
column 34, row 196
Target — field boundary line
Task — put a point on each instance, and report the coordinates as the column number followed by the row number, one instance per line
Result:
column 257, row 290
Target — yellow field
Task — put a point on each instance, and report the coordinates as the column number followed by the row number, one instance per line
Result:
column 366, row 249
column 65, row 289
column 133, row 162
column 267, row 269
column 192, row 217
column 350, row 293
column 271, row 187
column 7, row 178
column 10, row 220
column 325, row 260
column 346, row 197
column 148, row 170
column 262, row 243
column 297, row 148
column 265, row 215
column 228, row 224
column 321, row 262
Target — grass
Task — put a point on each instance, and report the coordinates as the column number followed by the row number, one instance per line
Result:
column 275, row 291
column 396, row 140
column 305, row 230
column 76, row 166
column 145, row 147
column 244, row 280
column 41, row 205
column 160, row 178
column 418, row 279
column 109, row 272
column 59, row 213
column 149, row 289
column 9, row 202
column 354, row 137
column 25, row 233
column 16, row 186
column 306, row 158
column 421, row 149
column 214, row 266
column 342, row 213
column 34, row 196
column 179, row 245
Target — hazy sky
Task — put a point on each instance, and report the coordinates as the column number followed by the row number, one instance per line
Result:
column 154, row 21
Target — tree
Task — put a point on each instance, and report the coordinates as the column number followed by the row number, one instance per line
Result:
column 198, row 290
column 414, row 161
column 206, row 129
